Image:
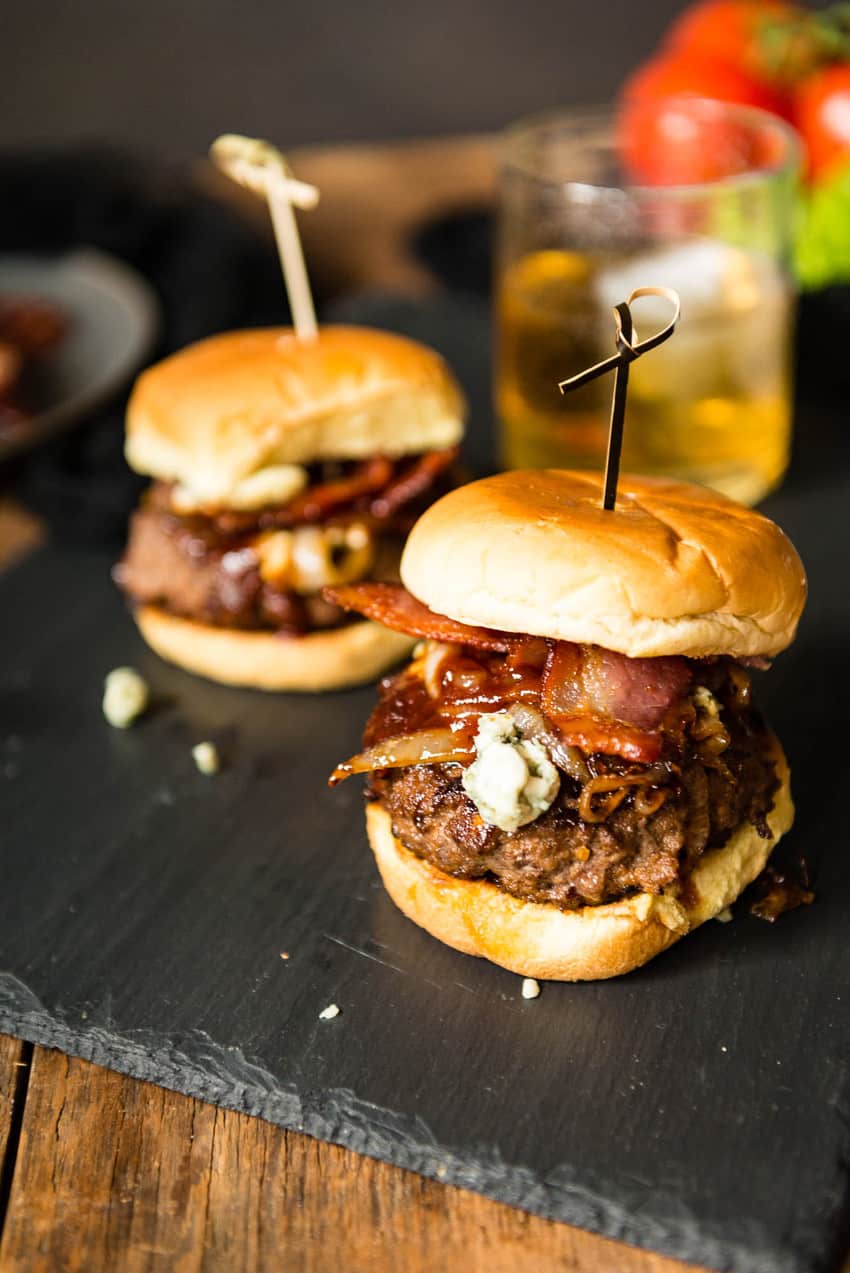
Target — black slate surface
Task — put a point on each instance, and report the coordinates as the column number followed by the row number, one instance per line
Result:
column 699, row 1106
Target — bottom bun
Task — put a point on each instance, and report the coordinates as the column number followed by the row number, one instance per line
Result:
column 537, row 939
column 328, row 660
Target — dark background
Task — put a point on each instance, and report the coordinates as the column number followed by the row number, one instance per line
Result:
column 171, row 76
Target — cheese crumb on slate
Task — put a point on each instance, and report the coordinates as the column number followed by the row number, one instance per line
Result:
column 206, row 757
column 328, row 1013
column 125, row 696
column 530, row 988
column 724, row 916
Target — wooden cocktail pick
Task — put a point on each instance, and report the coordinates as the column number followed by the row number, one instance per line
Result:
column 262, row 168
column 628, row 349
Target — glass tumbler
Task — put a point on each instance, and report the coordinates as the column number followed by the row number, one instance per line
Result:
column 713, row 404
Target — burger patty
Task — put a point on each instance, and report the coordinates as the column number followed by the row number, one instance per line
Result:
column 195, row 573
column 561, row 859
column 204, row 565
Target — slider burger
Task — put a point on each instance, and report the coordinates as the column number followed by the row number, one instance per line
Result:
column 281, row 466
column 572, row 774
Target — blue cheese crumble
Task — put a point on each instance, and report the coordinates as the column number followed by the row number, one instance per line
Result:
column 512, row 780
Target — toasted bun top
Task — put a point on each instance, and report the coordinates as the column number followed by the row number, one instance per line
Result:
column 240, row 403
column 674, row 569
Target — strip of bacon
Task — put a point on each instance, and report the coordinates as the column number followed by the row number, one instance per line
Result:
column 377, row 477
column 317, row 502
column 392, row 605
column 378, row 487
column 412, row 482
column 590, row 680
column 611, row 738
column 599, row 700
column 603, row 701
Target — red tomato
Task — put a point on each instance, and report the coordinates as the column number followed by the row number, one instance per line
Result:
column 727, row 31
column 672, row 143
column 822, row 115
column 665, row 139
column 669, row 73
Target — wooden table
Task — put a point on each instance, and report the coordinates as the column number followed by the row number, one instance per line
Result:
column 102, row 1172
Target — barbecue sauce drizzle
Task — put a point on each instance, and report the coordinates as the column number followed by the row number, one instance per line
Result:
column 473, row 683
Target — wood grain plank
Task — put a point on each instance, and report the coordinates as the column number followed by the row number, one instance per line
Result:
column 112, row 1173
column 15, row 1057
column 11, row 1059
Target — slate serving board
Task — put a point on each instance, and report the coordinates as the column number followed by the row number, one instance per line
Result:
column 698, row 1107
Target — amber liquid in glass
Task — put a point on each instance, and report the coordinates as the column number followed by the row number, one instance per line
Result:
column 712, row 405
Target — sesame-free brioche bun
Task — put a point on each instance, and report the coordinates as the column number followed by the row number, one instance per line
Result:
column 537, row 939
column 330, row 660
column 673, row 569
column 227, row 408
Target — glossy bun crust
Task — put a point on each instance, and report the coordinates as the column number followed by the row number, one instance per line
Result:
column 224, row 409
column 674, row 569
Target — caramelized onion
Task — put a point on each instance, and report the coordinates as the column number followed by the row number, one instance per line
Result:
column 427, row 747
column 757, row 662
column 534, row 726
column 740, row 686
column 648, row 800
column 432, row 665
column 711, row 727
column 713, row 744
column 612, row 801
column 615, row 788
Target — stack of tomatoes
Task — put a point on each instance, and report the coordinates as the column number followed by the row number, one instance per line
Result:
column 764, row 53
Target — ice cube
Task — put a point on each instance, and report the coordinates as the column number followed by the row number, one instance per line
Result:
column 729, row 302
column 697, row 270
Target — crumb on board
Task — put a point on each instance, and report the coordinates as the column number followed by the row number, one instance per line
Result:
column 724, row 916
column 781, row 889
column 206, row 757
column 284, row 954
column 328, row 1013
column 530, row 988
column 125, row 696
